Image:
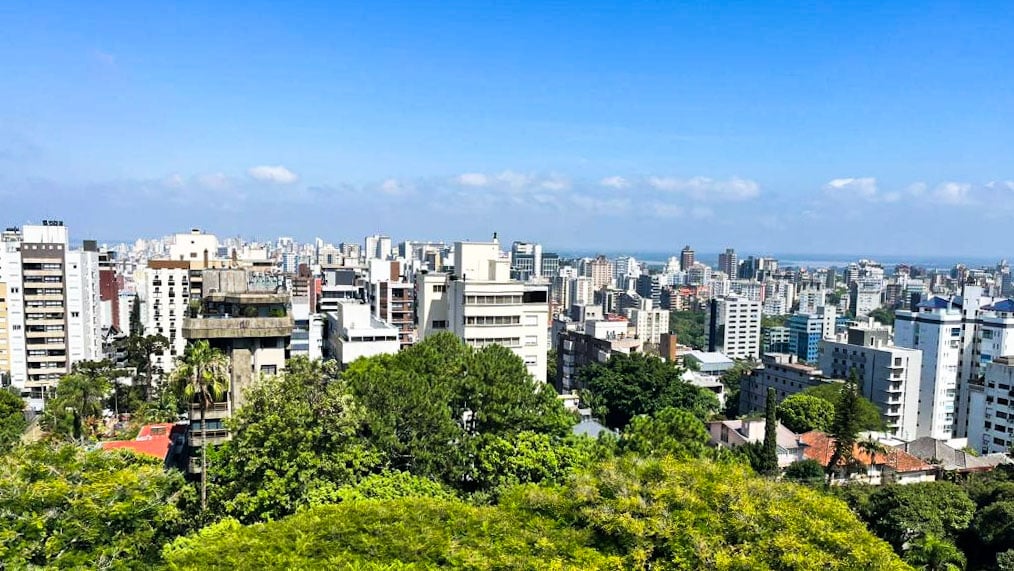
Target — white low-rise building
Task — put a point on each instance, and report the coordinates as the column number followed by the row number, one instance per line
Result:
column 353, row 332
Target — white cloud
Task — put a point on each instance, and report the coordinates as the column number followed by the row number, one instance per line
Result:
column 394, row 187
column 214, row 181
column 514, row 180
column 916, row 188
column 474, row 179
column 704, row 188
column 617, row 182
column 664, row 210
column 274, row 174
column 865, row 187
column 556, row 183
column 593, row 205
column 952, row 193
column 1007, row 185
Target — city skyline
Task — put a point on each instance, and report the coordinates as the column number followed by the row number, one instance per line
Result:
column 610, row 126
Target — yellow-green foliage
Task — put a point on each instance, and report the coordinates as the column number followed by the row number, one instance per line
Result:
column 622, row 514
column 64, row 508
column 669, row 514
column 406, row 533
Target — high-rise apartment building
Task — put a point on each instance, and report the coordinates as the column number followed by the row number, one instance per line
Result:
column 649, row 323
column 687, row 258
column 600, row 270
column 865, row 295
column 480, row 304
column 998, row 417
column 167, row 297
column 889, row 376
column 729, row 263
column 52, row 306
column 733, row 325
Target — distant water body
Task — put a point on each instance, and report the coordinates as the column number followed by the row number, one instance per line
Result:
column 809, row 260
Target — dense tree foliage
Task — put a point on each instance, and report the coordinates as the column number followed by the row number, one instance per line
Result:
column 295, row 440
column 623, row 514
column 689, row 328
column 630, row 385
column 802, row 413
column 805, row 472
column 932, row 553
column 901, row 513
column 868, row 414
column 429, row 408
column 62, row 507
column 406, row 533
column 669, row 432
column 670, row 514
column 12, row 418
column 75, row 410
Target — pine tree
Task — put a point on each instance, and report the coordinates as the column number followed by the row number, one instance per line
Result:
column 769, row 452
column 136, row 328
column 845, row 429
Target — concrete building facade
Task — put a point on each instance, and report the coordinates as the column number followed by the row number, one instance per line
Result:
column 733, row 325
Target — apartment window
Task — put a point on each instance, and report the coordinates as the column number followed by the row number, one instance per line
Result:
column 269, row 369
column 75, row 314
column 440, row 324
column 440, row 288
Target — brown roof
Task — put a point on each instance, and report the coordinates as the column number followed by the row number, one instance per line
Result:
column 820, row 447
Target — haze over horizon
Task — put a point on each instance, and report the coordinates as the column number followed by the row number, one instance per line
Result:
column 632, row 127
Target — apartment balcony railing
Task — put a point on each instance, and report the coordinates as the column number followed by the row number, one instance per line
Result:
column 233, row 327
column 211, row 436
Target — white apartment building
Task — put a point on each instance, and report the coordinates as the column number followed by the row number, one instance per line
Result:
column 811, row 296
column 998, row 421
column 889, row 376
column 733, row 325
column 481, row 305
column 649, row 323
column 52, row 307
column 865, row 295
column 353, row 333
column 935, row 328
column 193, row 247
column 84, row 316
column 166, row 299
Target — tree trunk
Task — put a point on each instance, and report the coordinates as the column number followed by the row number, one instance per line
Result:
column 204, row 456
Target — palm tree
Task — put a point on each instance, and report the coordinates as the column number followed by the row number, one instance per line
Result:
column 871, row 447
column 932, row 553
column 202, row 375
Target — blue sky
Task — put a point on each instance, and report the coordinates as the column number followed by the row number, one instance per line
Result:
column 769, row 126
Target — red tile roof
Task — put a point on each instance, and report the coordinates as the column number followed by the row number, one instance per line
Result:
column 152, row 440
column 820, row 447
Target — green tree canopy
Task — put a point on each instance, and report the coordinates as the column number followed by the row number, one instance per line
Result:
column 429, row 405
column 694, row 514
column 79, row 398
column 12, row 419
column 631, row 385
column 404, row 533
column 868, row 414
column 62, row 507
column 934, row 554
column 689, row 328
column 805, row 472
column 802, row 413
column 901, row 513
column 295, row 438
column 669, row 432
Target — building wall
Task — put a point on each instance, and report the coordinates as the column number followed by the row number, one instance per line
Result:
column 734, row 327
column 5, row 355
column 938, row 334
column 889, row 377
column 166, row 301
column 998, row 426
column 781, row 372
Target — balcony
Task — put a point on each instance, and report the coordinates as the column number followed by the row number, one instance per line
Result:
column 216, row 410
column 212, row 436
column 236, row 327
